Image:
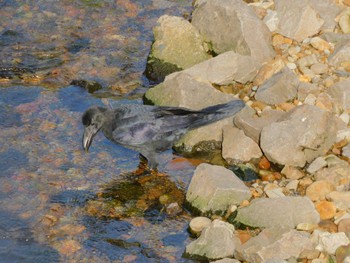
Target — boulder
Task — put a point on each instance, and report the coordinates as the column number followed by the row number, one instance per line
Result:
column 281, row 211
column 281, row 87
column 233, row 25
column 237, row 147
column 303, row 134
column 181, row 89
column 252, row 124
column 214, row 188
column 271, row 244
column 215, row 242
column 297, row 19
column 340, row 94
column 177, row 45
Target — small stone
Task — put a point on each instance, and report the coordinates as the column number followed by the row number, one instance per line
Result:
column 326, row 209
column 318, row 190
column 306, row 227
column 319, row 68
column 316, row 165
column 344, row 226
column 292, row 172
column 264, row 163
column 328, row 225
column 292, row 185
column 197, row 224
column 291, row 66
column 320, row 44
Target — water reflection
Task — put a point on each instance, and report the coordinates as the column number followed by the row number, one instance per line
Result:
column 78, row 205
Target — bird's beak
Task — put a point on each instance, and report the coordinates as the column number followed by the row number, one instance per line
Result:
column 89, row 133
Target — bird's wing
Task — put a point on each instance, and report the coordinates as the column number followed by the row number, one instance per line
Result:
column 159, row 125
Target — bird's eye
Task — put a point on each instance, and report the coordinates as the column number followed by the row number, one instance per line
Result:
column 86, row 120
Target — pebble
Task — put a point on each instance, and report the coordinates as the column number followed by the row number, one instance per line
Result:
column 292, row 172
column 264, row 163
column 291, row 65
column 319, row 68
column 318, row 190
column 326, row 209
column 319, row 44
column 344, row 225
column 197, row 224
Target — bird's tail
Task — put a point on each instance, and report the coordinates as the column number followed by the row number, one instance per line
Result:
column 217, row 112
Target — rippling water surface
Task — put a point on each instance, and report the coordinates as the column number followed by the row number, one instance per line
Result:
column 58, row 203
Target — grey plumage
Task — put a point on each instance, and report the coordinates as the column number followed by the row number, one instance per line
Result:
column 150, row 130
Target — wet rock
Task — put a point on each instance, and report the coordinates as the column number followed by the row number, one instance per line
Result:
column 216, row 241
column 297, row 19
column 198, row 223
column 237, row 147
column 252, row 124
column 318, row 190
column 340, row 93
column 178, row 45
column 327, row 242
column 215, row 188
column 236, row 27
column 283, row 211
column 270, row 244
column 181, row 89
column 300, row 136
column 281, row 87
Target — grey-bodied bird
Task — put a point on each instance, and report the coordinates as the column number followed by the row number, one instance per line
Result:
column 150, row 130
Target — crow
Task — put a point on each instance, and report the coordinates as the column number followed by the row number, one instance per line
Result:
column 148, row 129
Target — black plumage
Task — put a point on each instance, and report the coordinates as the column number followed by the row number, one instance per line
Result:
column 150, row 130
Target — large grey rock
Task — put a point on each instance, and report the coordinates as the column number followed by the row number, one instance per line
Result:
column 207, row 138
column 271, row 244
column 181, row 89
column 336, row 172
column 233, row 25
column 341, row 55
column 178, row 42
column 328, row 10
column 281, row 87
column 237, row 147
column 297, row 19
column 252, row 124
column 214, row 188
column 226, row 68
column 282, row 211
column 303, row 134
column 340, row 93
column 215, row 242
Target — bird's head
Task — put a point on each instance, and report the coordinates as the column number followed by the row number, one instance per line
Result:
column 93, row 120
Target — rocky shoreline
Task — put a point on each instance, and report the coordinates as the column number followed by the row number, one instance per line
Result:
column 290, row 62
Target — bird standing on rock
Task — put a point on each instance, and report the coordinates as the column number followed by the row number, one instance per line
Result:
column 150, row 130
